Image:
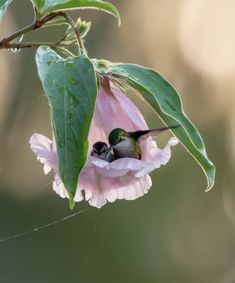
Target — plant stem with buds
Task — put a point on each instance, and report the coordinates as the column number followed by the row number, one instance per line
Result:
column 6, row 43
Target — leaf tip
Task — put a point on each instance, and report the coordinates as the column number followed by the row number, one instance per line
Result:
column 71, row 202
column 116, row 14
column 210, row 178
column 209, row 188
column 119, row 20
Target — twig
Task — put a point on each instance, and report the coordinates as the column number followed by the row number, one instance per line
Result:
column 6, row 43
column 21, row 45
column 76, row 30
column 64, row 51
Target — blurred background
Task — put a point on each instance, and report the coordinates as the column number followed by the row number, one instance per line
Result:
column 176, row 233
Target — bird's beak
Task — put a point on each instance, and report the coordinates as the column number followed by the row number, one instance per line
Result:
column 109, row 152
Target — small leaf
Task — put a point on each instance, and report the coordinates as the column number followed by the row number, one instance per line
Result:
column 70, row 85
column 83, row 27
column 57, row 5
column 166, row 102
column 3, row 6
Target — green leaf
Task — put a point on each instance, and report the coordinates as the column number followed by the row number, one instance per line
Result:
column 71, row 88
column 48, row 6
column 3, row 6
column 166, row 102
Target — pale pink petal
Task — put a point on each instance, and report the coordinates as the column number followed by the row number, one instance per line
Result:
column 161, row 157
column 100, row 189
column 88, row 195
column 90, row 181
column 46, row 169
column 119, row 167
column 40, row 142
column 42, row 148
column 130, row 190
column 117, row 111
column 96, row 133
column 78, row 196
column 133, row 113
column 148, row 149
column 59, row 187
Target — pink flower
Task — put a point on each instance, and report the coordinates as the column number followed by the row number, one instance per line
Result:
column 125, row 178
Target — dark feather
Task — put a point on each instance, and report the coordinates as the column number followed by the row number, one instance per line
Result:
column 152, row 132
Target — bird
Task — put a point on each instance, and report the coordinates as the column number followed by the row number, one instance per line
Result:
column 100, row 150
column 126, row 144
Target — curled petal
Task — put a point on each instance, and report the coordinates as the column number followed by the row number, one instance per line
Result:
column 161, row 157
column 119, row 167
column 42, row 148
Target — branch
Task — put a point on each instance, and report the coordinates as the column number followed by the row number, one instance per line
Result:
column 21, row 45
column 16, row 34
column 6, row 43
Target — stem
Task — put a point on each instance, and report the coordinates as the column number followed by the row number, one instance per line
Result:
column 36, row 15
column 5, row 43
column 16, row 34
column 63, row 37
column 36, row 25
column 76, row 30
column 21, row 45
column 65, row 51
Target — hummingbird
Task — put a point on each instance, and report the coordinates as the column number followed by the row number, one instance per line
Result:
column 100, row 150
column 126, row 144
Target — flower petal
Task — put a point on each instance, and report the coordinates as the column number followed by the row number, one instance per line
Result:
column 133, row 113
column 130, row 190
column 96, row 133
column 161, row 157
column 119, row 167
column 42, row 148
column 59, row 188
column 117, row 111
column 100, row 189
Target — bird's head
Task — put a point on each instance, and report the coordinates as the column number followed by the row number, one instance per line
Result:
column 117, row 135
column 99, row 147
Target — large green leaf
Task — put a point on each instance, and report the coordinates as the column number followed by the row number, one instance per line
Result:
column 47, row 6
column 3, row 6
column 166, row 102
column 71, row 87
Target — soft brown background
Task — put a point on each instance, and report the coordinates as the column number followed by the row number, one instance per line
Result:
column 174, row 234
